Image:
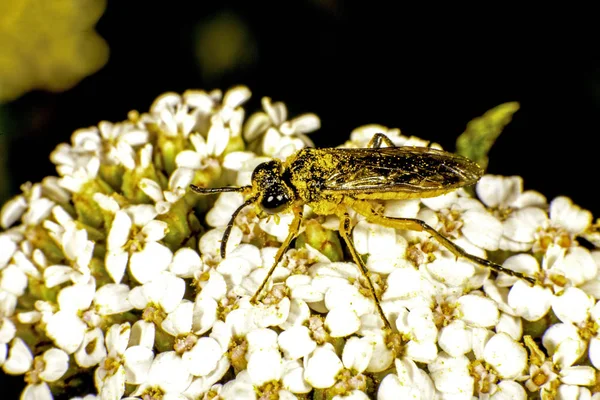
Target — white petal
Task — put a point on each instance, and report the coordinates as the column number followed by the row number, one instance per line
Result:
column 274, row 314
column 56, row 275
column 299, row 313
column 19, row 358
column 293, row 378
column 509, row 390
column 116, row 263
column 455, row 339
column 578, row 375
column 392, row 388
column 524, row 263
column 512, row 326
column 451, row 374
column 522, row 224
column 41, row 391
column 7, row 249
column 203, row 357
column 594, row 352
column 569, row 215
column 113, row 386
column 138, row 360
column 357, row 354
column 322, row 368
column 145, row 265
column 496, row 190
column 185, row 262
column 508, row 357
column 261, row 339
column 169, row 372
column 142, row 334
column 12, row 211
column 117, row 338
column 577, row 265
column 531, row 303
column 382, row 357
column 342, row 322
column 265, row 366
column 119, row 231
column 155, row 230
column 92, row 349
column 478, row 311
column 568, row 352
column 67, row 330
column 112, row 299
column 558, row 334
column 7, row 330
column 77, row 297
column 296, row 342
column 424, row 352
column 204, row 315
column 152, row 189
column 482, row 229
column 573, row 305
column 179, row 321
column 141, row 214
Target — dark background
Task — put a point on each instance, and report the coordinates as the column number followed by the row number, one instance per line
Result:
column 427, row 73
column 351, row 65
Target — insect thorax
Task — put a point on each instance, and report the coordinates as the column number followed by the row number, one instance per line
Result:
column 306, row 173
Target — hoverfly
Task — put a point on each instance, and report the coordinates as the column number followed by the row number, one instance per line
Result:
column 331, row 180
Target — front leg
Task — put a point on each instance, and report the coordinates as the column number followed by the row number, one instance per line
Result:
column 294, row 229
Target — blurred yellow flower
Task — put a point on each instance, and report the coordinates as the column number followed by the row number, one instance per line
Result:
column 48, row 45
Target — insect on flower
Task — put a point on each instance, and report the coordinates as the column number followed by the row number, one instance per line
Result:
column 331, row 180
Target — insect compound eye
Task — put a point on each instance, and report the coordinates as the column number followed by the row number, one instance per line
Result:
column 275, row 199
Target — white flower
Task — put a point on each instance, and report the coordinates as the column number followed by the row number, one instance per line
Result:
column 133, row 240
column 321, row 368
column 163, row 293
column 536, row 230
column 127, row 358
column 463, row 216
column 78, row 250
column 409, row 382
column 167, row 374
column 200, row 355
column 32, row 207
column 500, row 351
column 80, row 307
column 361, row 136
column 451, row 375
column 505, row 193
column 164, row 199
column 19, row 358
column 196, row 109
column 385, row 249
column 46, row 368
column 418, row 329
column 281, row 137
column 560, row 375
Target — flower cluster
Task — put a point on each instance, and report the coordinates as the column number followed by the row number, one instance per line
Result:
column 112, row 273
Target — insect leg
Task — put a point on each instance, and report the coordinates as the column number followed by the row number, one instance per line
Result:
column 377, row 139
column 294, row 229
column 345, row 232
column 365, row 209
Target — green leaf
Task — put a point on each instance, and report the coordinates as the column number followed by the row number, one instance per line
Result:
column 481, row 132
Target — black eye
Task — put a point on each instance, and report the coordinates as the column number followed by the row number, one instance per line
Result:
column 274, row 201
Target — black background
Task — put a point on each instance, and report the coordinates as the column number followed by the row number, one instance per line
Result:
column 426, row 72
